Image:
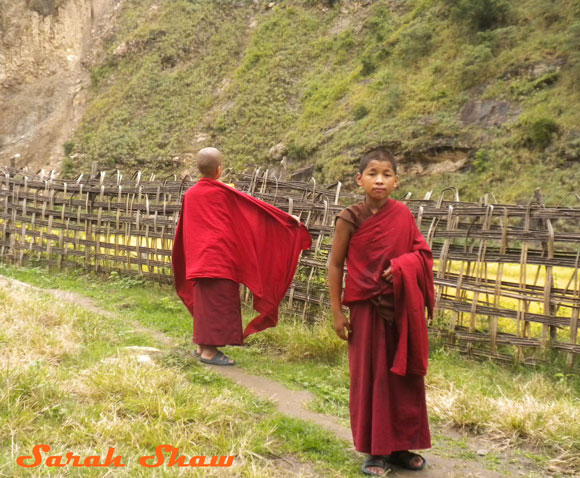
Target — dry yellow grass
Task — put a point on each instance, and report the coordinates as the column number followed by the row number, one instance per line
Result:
column 512, row 408
column 67, row 380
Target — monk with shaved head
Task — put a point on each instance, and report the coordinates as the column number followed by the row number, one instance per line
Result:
column 209, row 162
column 224, row 238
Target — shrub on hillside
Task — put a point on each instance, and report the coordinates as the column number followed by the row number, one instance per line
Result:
column 537, row 132
column 45, row 7
column 573, row 37
column 415, row 43
column 360, row 112
column 68, row 168
column 297, row 151
column 482, row 160
column 368, row 65
column 480, row 14
column 378, row 23
column 475, row 62
column 68, row 147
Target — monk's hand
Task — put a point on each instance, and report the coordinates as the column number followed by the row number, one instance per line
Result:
column 387, row 274
column 341, row 324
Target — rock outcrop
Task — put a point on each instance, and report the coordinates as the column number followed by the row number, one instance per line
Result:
column 46, row 49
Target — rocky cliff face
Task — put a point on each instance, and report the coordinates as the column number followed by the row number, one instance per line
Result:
column 46, row 49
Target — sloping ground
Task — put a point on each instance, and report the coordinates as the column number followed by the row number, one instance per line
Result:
column 484, row 87
column 81, row 380
column 64, row 338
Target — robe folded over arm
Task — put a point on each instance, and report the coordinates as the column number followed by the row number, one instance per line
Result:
column 388, row 344
column 413, row 289
column 226, row 234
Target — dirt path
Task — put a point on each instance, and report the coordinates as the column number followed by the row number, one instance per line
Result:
column 293, row 403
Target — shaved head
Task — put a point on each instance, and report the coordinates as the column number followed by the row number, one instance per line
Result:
column 208, row 161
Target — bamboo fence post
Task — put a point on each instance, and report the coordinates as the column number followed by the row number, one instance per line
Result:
column 76, row 243
column 40, row 227
column 575, row 312
column 264, row 182
column 479, row 266
column 419, row 218
column 7, row 223
column 548, row 331
column 15, row 201
column 49, row 241
column 337, row 195
column 118, row 215
column 163, row 243
column 313, row 188
column 98, row 227
column 442, row 268
column 61, row 243
column 523, row 326
column 498, row 279
column 485, row 273
column 107, row 224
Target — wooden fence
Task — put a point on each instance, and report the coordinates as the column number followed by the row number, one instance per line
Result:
column 507, row 276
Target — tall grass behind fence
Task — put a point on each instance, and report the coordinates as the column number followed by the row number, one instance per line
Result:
column 507, row 276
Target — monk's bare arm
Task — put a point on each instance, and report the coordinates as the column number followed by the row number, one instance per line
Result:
column 342, row 234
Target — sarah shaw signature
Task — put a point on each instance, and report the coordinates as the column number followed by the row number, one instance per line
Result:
column 149, row 461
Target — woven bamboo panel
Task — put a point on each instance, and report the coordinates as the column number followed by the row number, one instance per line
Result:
column 507, row 276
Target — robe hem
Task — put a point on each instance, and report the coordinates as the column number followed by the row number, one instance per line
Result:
column 385, row 451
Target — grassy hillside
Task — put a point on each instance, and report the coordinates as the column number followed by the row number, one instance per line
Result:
column 472, row 93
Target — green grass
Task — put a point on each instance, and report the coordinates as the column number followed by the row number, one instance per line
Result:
column 330, row 83
column 67, row 380
column 518, row 406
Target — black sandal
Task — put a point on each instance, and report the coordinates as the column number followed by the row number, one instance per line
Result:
column 376, row 461
column 218, row 359
column 403, row 459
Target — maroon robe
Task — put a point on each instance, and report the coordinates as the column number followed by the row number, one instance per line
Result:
column 388, row 343
column 217, row 316
column 225, row 237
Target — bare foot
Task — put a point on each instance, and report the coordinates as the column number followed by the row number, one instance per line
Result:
column 375, row 470
column 375, row 465
column 407, row 459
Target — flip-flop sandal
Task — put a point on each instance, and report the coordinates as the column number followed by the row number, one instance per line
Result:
column 374, row 461
column 196, row 354
column 403, row 459
column 218, row 359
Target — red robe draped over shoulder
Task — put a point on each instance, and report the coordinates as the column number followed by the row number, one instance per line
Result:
column 388, row 358
column 224, row 233
column 391, row 238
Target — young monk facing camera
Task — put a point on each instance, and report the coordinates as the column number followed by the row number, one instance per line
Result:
column 389, row 283
column 225, row 238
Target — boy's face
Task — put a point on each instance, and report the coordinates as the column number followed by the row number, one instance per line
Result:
column 378, row 179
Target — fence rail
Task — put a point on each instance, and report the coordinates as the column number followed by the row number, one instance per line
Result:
column 507, row 276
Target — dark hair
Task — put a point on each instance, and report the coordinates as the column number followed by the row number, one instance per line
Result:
column 377, row 154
